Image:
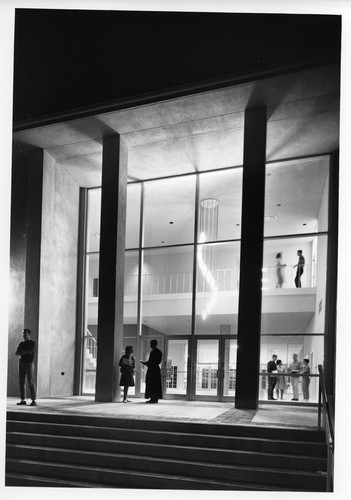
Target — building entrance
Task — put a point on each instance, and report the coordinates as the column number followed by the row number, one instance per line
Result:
column 215, row 368
column 205, row 372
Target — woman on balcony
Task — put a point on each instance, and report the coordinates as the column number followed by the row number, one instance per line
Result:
column 279, row 265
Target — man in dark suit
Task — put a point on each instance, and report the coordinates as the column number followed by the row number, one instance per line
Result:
column 153, row 388
column 272, row 379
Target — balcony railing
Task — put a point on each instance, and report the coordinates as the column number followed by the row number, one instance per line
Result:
column 227, row 280
column 325, row 411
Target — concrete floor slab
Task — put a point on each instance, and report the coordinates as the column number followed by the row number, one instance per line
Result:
column 197, row 411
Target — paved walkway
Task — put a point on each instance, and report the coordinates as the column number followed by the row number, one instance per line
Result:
column 276, row 415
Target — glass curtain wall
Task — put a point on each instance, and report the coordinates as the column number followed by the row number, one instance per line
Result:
column 92, row 246
column 294, row 275
column 181, row 275
column 181, row 283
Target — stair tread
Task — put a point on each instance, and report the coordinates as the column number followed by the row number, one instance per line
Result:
column 177, row 433
column 127, row 423
column 57, row 481
column 169, row 460
column 168, row 446
column 158, row 475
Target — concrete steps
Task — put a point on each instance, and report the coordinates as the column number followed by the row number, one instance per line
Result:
column 74, row 451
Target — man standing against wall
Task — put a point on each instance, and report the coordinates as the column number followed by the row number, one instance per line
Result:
column 26, row 351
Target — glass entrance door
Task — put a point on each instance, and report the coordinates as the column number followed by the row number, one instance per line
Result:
column 215, row 371
column 176, row 368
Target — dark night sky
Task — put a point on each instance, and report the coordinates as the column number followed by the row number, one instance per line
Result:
column 66, row 59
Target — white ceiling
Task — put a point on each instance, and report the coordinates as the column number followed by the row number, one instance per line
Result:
column 201, row 131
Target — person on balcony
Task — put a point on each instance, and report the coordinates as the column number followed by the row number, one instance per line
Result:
column 153, row 375
column 127, row 366
column 300, row 267
column 272, row 378
column 295, row 368
column 281, row 382
column 305, row 371
column 279, row 267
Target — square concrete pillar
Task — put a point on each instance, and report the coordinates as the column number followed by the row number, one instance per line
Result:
column 251, row 259
column 111, row 268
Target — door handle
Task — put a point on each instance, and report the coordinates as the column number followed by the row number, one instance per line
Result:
column 220, row 373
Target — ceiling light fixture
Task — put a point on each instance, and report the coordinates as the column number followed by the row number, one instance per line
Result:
column 270, row 218
column 206, row 254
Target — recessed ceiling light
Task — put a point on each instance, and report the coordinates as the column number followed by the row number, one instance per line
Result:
column 270, row 218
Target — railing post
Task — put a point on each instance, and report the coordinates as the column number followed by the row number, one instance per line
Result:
column 319, row 401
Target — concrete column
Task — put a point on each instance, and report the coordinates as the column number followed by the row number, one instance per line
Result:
column 26, row 212
column 251, row 259
column 17, row 268
column 332, row 273
column 34, row 214
column 111, row 270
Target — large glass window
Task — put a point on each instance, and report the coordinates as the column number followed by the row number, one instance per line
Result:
column 294, row 274
column 309, row 347
column 217, row 288
column 169, row 211
column 220, row 205
column 133, row 215
column 296, row 197
column 93, row 220
column 163, row 252
column 131, row 281
column 167, row 282
column 293, row 297
column 177, row 366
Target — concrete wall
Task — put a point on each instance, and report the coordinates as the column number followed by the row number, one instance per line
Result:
column 58, row 284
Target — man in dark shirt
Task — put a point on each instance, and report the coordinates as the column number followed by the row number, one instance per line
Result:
column 26, row 350
column 153, row 388
column 300, row 265
column 272, row 379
